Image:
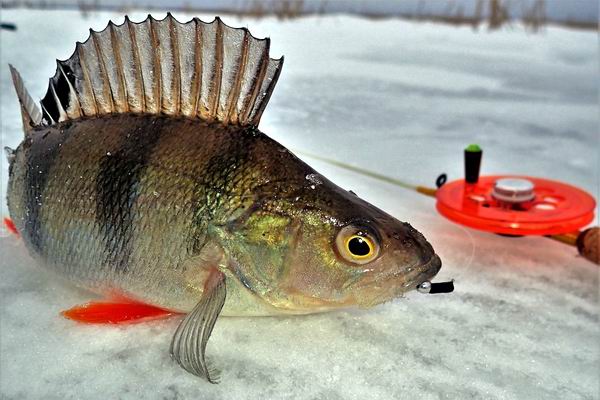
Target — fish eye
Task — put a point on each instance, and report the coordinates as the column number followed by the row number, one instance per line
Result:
column 357, row 245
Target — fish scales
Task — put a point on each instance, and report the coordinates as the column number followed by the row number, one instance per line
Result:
column 117, row 211
column 144, row 177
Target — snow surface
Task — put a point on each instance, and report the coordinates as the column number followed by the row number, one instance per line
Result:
column 398, row 98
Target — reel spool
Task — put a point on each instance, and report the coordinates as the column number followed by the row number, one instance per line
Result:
column 513, row 205
column 516, row 205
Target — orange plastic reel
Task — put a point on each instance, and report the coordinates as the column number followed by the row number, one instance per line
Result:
column 556, row 208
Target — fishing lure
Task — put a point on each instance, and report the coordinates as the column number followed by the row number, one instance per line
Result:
column 143, row 177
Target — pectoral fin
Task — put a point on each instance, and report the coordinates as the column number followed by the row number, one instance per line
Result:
column 189, row 341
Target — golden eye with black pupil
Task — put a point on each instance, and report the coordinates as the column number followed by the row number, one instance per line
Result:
column 357, row 245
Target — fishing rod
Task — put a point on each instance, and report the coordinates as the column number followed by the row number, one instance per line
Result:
column 505, row 204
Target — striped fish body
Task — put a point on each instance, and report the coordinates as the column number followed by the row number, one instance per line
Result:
column 144, row 176
column 124, row 203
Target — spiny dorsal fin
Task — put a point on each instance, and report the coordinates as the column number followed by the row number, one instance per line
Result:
column 29, row 110
column 199, row 70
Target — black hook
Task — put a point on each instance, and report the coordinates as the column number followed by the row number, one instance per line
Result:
column 433, row 288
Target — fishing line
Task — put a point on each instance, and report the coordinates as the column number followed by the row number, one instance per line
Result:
column 361, row 171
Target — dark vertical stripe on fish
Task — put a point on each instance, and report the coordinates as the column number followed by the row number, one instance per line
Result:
column 118, row 188
column 219, row 194
column 40, row 159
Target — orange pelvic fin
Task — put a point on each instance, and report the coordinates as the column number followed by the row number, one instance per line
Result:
column 10, row 226
column 115, row 313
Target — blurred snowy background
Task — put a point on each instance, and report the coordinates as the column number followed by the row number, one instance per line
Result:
column 494, row 13
column 399, row 97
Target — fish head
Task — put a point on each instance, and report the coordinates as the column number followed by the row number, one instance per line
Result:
column 356, row 254
column 332, row 250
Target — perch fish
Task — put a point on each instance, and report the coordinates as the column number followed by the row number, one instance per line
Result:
column 144, row 177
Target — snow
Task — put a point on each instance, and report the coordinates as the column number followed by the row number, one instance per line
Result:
column 394, row 97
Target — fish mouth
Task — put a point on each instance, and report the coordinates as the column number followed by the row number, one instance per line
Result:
column 383, row 288
column 418, row 273
column 402, row 279
column 428, row 270
column 414, row 275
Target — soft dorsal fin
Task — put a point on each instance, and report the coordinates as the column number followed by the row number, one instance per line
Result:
column 29, row 110
column 199, row 70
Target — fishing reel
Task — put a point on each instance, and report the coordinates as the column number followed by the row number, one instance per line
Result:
column 519, row 206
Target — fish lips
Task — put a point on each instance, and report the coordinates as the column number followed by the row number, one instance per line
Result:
column 386, row 287
column 428, row 270
column 415, row 275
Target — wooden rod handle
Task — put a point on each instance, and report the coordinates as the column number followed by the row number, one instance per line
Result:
column 588, row 244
